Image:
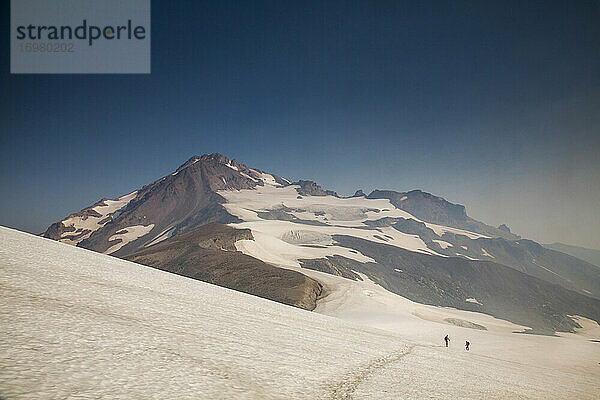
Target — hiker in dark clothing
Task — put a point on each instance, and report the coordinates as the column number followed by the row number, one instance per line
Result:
column 447, row 340
column 467, row 345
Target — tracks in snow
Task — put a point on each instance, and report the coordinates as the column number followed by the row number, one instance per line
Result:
column 345, row 387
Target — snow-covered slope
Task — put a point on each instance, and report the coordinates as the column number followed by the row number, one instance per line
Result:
column 276, row 213
column 403, row 254
column 79, row 324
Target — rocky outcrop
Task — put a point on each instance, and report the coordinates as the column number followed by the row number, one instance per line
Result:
column 504, row 227
column 56, row 231
column 310, row 188
column 207, row 253
column 334, row 265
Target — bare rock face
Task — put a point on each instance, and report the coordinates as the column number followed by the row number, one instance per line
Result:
column 504, row 227
column 523, row 255
column 57, row 230
column 207, row 253
column 310, row 188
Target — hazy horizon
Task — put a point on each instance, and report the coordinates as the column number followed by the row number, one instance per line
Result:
column 495, row 106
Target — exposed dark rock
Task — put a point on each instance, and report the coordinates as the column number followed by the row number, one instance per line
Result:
column 207, row 253
column 283, row 213
column 382, row 222
column 334, row 265
column 79, row 235
column 531, row 258
column 381, row 238
column 104, row 220
column 412, row 227
column 56, row 230
column 504, row 227
column 310, row 188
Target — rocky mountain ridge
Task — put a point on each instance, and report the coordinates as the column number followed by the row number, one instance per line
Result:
column 174, row 203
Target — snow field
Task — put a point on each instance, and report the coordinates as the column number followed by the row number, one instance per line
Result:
column 551, row 365
column 334, row 216
column 501, row 364
column 78, row 324
column 75, row 323
column 341, row 216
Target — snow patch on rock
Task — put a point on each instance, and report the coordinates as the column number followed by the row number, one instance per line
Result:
column 167, row 233
column 473, row 300
column 443, row 244
column 92, row 223
column 485, row 253
column 127, row 235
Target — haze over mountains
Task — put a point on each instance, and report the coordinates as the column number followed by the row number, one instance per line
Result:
column 414, row 244
column 590, row 255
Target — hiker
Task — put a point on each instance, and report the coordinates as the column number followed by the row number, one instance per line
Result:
column 467, row 345
column 447, row 340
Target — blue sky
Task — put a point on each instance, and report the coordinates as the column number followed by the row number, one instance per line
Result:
column 495, row 105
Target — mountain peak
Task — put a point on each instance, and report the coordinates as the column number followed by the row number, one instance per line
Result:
column 220, row 158
column 213, row 159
